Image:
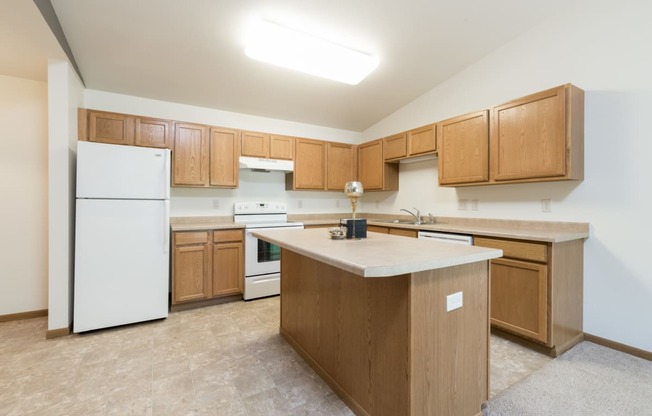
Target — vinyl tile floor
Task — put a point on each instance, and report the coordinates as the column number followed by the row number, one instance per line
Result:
column 226, row 359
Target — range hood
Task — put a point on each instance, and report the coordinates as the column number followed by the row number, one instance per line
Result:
column 266, row 165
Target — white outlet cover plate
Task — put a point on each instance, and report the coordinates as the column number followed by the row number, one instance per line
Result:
column 454, row 301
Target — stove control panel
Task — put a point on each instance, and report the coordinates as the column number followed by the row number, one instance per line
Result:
column 260, row 208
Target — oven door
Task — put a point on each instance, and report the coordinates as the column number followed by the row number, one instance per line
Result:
column 261, row 257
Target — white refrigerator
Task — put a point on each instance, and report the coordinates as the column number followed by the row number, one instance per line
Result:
column 122, row 232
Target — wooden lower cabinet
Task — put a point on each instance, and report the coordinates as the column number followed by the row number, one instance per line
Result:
column 191, row 266
column 228, row 263
column 404, row 232
column 377, row 229
column 207, row 264
column 393, row 231
column 519, row 298
column 537, row 291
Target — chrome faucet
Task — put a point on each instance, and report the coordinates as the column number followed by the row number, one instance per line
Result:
column 416, row 216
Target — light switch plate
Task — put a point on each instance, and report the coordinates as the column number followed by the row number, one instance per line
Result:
column 454, row 301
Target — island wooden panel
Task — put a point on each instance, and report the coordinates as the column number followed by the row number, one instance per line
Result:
column 387, row 346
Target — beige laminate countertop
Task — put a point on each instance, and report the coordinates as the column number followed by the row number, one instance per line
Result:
column 378, row 255
column 203, row 223
column 546, row 231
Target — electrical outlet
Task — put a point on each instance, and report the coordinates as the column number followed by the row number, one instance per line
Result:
column 462, row 204
column 377, row 204
column 216, row 204
column 454, row 301
column 337, row 203
column 546, row 205
column 299, row 203
column 475, row 204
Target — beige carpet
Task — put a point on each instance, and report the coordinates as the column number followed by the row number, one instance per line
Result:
column 587, row 380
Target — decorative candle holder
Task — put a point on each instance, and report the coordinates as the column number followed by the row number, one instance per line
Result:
column 354, row 190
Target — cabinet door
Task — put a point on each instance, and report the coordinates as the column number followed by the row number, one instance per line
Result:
column 228, row 269
column 110, row 128
column 281, row 147
column 310, row 164
column 422, row 140
column 404, row 232
column 190, row 155
column 371, row 164
column 519, row 298
column 153, row 132
column 529, row 137
column 340, row 165
column 395, row 146
column 255, row 144
column 191, row 273
column 464, row 149
column 377, row 229
column 224, row 157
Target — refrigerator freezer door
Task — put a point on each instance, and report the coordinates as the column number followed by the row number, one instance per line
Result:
column 110, row 171
column 121, row 262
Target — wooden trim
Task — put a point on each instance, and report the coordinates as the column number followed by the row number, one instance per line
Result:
column 204, row 303
column 23, row 315
column 627, row 349
column 56, row 333
column 82, row 124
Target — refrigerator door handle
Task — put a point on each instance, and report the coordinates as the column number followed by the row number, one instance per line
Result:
column 168, row 173
column 166, row 227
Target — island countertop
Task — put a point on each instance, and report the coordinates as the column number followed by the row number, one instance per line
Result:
column 378, row 255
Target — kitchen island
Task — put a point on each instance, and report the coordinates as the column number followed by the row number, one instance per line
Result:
column 370, row 316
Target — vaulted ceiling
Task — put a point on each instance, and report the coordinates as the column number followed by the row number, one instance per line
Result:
column 191, row 51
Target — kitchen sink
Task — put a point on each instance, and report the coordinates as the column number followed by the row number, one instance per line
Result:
column 407, row 222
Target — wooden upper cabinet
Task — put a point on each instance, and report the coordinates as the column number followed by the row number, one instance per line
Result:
column 373, row 172
column 190, row 155
column 263, row 145
column 395, row 146
column 340, row 165
column 422, row 140
column 281, row 147
column 110, row 128
column 255, row 144
column 419, row 141
column 224, row 150
column 153, row 132
column 309, row 165
column 540, row 136
column 464, row 149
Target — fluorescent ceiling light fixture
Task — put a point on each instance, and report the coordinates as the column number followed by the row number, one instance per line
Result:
column 282, row 46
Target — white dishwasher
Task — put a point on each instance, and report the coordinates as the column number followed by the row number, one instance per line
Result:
column 447, row 238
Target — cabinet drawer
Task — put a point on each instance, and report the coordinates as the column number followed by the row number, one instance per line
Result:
column 190, row 237
column 227, row 235
column 516, row 249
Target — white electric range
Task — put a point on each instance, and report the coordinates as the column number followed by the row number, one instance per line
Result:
column 262, row 259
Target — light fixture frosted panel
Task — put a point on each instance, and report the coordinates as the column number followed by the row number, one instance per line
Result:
column 278, row 45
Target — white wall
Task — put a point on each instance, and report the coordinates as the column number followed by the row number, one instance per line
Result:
column 602, row 47
column 254, row 186
column 65, row 95
column 23, row 186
